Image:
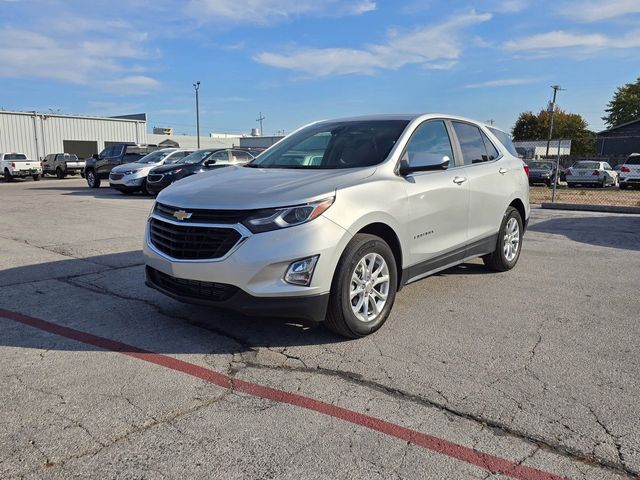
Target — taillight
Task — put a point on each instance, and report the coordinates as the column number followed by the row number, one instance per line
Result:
column 526, row 169
column 567, row 173
column 625, row 169
column 13, row 165
column 596, row 173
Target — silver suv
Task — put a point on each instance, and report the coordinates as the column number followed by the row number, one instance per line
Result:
column 329, row 223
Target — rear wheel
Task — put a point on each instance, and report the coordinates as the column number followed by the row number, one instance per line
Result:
column 623, row 186
column 364, row 287
column 59, row 173
column 35, row 177
column 92, row 179
column 7, row 175
column 509, row 243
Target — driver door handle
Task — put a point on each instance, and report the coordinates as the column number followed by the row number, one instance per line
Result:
column 459, row 180
column 502, row 171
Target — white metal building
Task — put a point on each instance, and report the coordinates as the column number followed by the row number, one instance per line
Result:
column 38, row 134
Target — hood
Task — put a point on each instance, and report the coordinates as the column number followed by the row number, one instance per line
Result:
column 130, row 166
column 244, row 188
column 174, row 166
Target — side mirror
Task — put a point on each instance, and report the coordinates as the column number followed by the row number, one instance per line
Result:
column 208, row 163
column 95, row 156
column 423, row 162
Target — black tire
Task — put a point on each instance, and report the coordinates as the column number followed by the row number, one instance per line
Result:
column 59, row 173
column 622, row 186
column 145, row 189
column 92, row 179
column 127, row 192
column 497, row 260
column 36, row 178
column 570, row 185
column 82, row 174
column 340, row 316
column 7, row 176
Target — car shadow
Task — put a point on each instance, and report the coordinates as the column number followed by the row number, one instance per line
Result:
column 106, row 295
column 101, row 192
column 614, row 231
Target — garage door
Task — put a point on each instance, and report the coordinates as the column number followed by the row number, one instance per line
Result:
column 83, row 149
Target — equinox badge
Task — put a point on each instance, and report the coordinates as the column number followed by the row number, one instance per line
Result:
column 182, row 215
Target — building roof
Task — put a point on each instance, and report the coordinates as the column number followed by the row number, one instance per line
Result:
column 620, row 126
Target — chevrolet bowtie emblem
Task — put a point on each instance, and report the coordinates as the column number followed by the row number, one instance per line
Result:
column 182, row 215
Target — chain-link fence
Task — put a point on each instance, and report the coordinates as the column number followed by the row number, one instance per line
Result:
column 598, row 170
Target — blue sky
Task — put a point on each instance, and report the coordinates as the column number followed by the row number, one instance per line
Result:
column 303, row 60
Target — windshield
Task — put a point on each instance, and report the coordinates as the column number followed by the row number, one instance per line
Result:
column 540, row 166
column 334, row 145
column 196, row 157
column 155, row 157
column 589, row 165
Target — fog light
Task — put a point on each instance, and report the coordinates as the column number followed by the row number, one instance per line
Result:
column 300, row 272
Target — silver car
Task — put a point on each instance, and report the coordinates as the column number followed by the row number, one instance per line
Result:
column 630, row 172
column 591, row 173
column 132, row 177
column 330, row 222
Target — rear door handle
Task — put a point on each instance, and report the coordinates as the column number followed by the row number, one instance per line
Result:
column 502, row 171
column 459, row 180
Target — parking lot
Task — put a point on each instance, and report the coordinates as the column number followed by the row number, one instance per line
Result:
column 530, row 374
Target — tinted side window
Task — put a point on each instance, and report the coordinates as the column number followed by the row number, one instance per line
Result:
column 505, row 140
column 240, row 156
column 471, row 143
column 107, row 152
column 492, row 152
column 429, row 143
column 220, row 157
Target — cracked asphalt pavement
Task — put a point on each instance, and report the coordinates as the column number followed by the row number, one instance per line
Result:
column 537, row 366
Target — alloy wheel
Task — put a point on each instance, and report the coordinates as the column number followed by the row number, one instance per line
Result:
column 511, row 239
column 369, row 287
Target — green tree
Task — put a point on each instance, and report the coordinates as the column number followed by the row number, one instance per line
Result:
column 530, row 126
column 625, row 105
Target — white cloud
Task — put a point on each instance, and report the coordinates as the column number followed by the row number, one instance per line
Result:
column 502, row 82
column 577, row 43
column 511, row 6
column 271, row 11
column 593, row 11
column 435, row 47
column 133, row 84
column 75, row 58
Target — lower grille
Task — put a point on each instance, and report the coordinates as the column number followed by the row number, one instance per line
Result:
column 154, row 177
column 210, row 291
column 116, row 176
column 187, row 242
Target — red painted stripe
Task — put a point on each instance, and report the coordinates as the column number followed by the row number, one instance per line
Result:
column 486, row 461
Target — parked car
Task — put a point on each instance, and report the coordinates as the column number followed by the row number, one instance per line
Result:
column 542, row 172
column 591, row 173
column 630, row 172
column 198, row 162
column 17, row 165
column 393, row 198
column 99, row 166
column 132, row 177
column 62, row 164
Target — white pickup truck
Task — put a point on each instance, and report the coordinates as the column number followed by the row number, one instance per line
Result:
column 17, row 165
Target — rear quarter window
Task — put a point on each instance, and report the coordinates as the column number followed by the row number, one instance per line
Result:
column 505, row 140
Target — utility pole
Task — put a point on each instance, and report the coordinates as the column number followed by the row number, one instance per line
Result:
column 259, row 120
column 490, row 121
column 556, row 88
column 196, row 86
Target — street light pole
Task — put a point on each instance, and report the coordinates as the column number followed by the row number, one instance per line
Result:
column 556, row 88
column 259, row 120
column 196, row 86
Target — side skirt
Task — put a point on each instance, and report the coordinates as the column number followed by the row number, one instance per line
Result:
column 450, row 259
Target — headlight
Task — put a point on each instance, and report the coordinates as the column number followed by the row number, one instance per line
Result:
column 173, row 172
column 130, row 172
column 277, row 218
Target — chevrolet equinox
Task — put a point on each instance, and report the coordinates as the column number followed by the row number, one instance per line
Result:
column 329, row 223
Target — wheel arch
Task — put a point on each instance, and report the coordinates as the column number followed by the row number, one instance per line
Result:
column 519, row 206
column 388, row 234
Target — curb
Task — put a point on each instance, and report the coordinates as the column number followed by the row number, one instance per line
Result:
column 590, row 208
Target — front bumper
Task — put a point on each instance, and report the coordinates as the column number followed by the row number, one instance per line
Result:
column 157, row 187
column 256, row 265
column 311, row 308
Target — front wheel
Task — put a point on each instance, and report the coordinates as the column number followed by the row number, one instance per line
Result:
column 509, row 243
column 363, row 289
column 145, row 188
column 92, row 179
column 35, row 178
